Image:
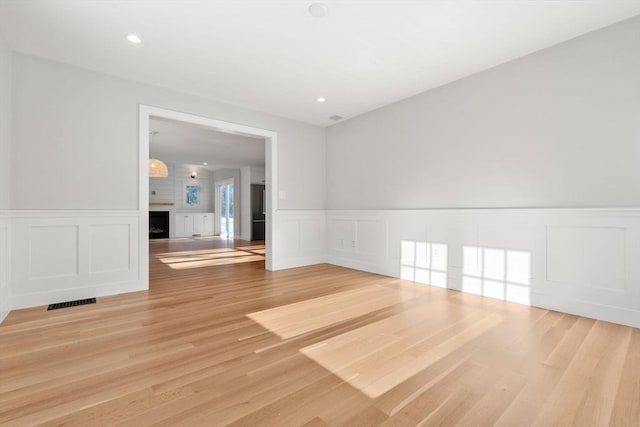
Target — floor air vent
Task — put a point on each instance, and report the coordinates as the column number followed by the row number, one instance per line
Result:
column 71, row 303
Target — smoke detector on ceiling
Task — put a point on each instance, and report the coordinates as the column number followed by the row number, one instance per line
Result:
column 318, row 10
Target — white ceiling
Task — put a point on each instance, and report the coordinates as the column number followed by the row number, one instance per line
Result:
column 179, row 142
column 272, row 56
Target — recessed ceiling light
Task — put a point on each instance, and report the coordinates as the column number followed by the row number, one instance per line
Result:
column 134, row 39
column 205, row 164
column 321, row 99
column 318, row 10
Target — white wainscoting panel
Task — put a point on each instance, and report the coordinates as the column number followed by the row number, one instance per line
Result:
column 341, row 237
column 370, row 237
column 110, row 248
column 358, row 241
column 66, row 255
column 299, row 238
column 53, row 251
column 587, row 256
column 5, row 265
column 580, row 261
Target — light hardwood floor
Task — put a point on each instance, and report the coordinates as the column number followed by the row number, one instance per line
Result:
column 218, row 340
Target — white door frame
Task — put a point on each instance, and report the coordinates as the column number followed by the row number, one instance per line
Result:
column 271, row 176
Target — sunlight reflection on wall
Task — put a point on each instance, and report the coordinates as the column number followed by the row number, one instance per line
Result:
column 497, row 273
column 424, row 262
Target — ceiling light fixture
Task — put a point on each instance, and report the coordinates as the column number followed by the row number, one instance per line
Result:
column 157, row 168
column 318, row 10
column 321, row 99
column 134, row 39
column 205, row 164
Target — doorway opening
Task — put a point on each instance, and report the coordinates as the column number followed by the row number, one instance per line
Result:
column 228, row 216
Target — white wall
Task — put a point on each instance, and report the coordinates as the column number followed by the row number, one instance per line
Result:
column 5, row 122
column 76, row 128
column 74, row 222
column 5, row 174
column 557, row 128
column 257, row 175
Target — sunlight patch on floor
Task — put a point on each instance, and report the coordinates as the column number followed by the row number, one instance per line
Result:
column 380, row 356
column 196, row 252
column 250, row 248
column 211, row 257
column 295, row 319
column 215, row 262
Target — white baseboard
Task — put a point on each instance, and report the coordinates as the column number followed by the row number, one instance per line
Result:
column 300, row 262
column 5, row 309
column 62, row 295
column 614, row 314
column 359, row 265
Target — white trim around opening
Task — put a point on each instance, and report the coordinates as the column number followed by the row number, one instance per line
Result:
column 271, row 168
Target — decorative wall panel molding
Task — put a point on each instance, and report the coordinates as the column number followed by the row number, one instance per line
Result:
column 580, row 261
column 53, row 251
column 593, row 257
column 68, row 255
column 110, row 248
column 299, row 238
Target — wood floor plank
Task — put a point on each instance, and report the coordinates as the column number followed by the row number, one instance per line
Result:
column 626, row 409
column 218, row 340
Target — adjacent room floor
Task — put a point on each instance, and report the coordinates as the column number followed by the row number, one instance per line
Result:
column 218, row 340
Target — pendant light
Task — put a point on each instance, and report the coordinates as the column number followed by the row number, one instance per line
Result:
column 157, row 168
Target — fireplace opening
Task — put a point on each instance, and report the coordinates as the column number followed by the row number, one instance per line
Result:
column 159, row 225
